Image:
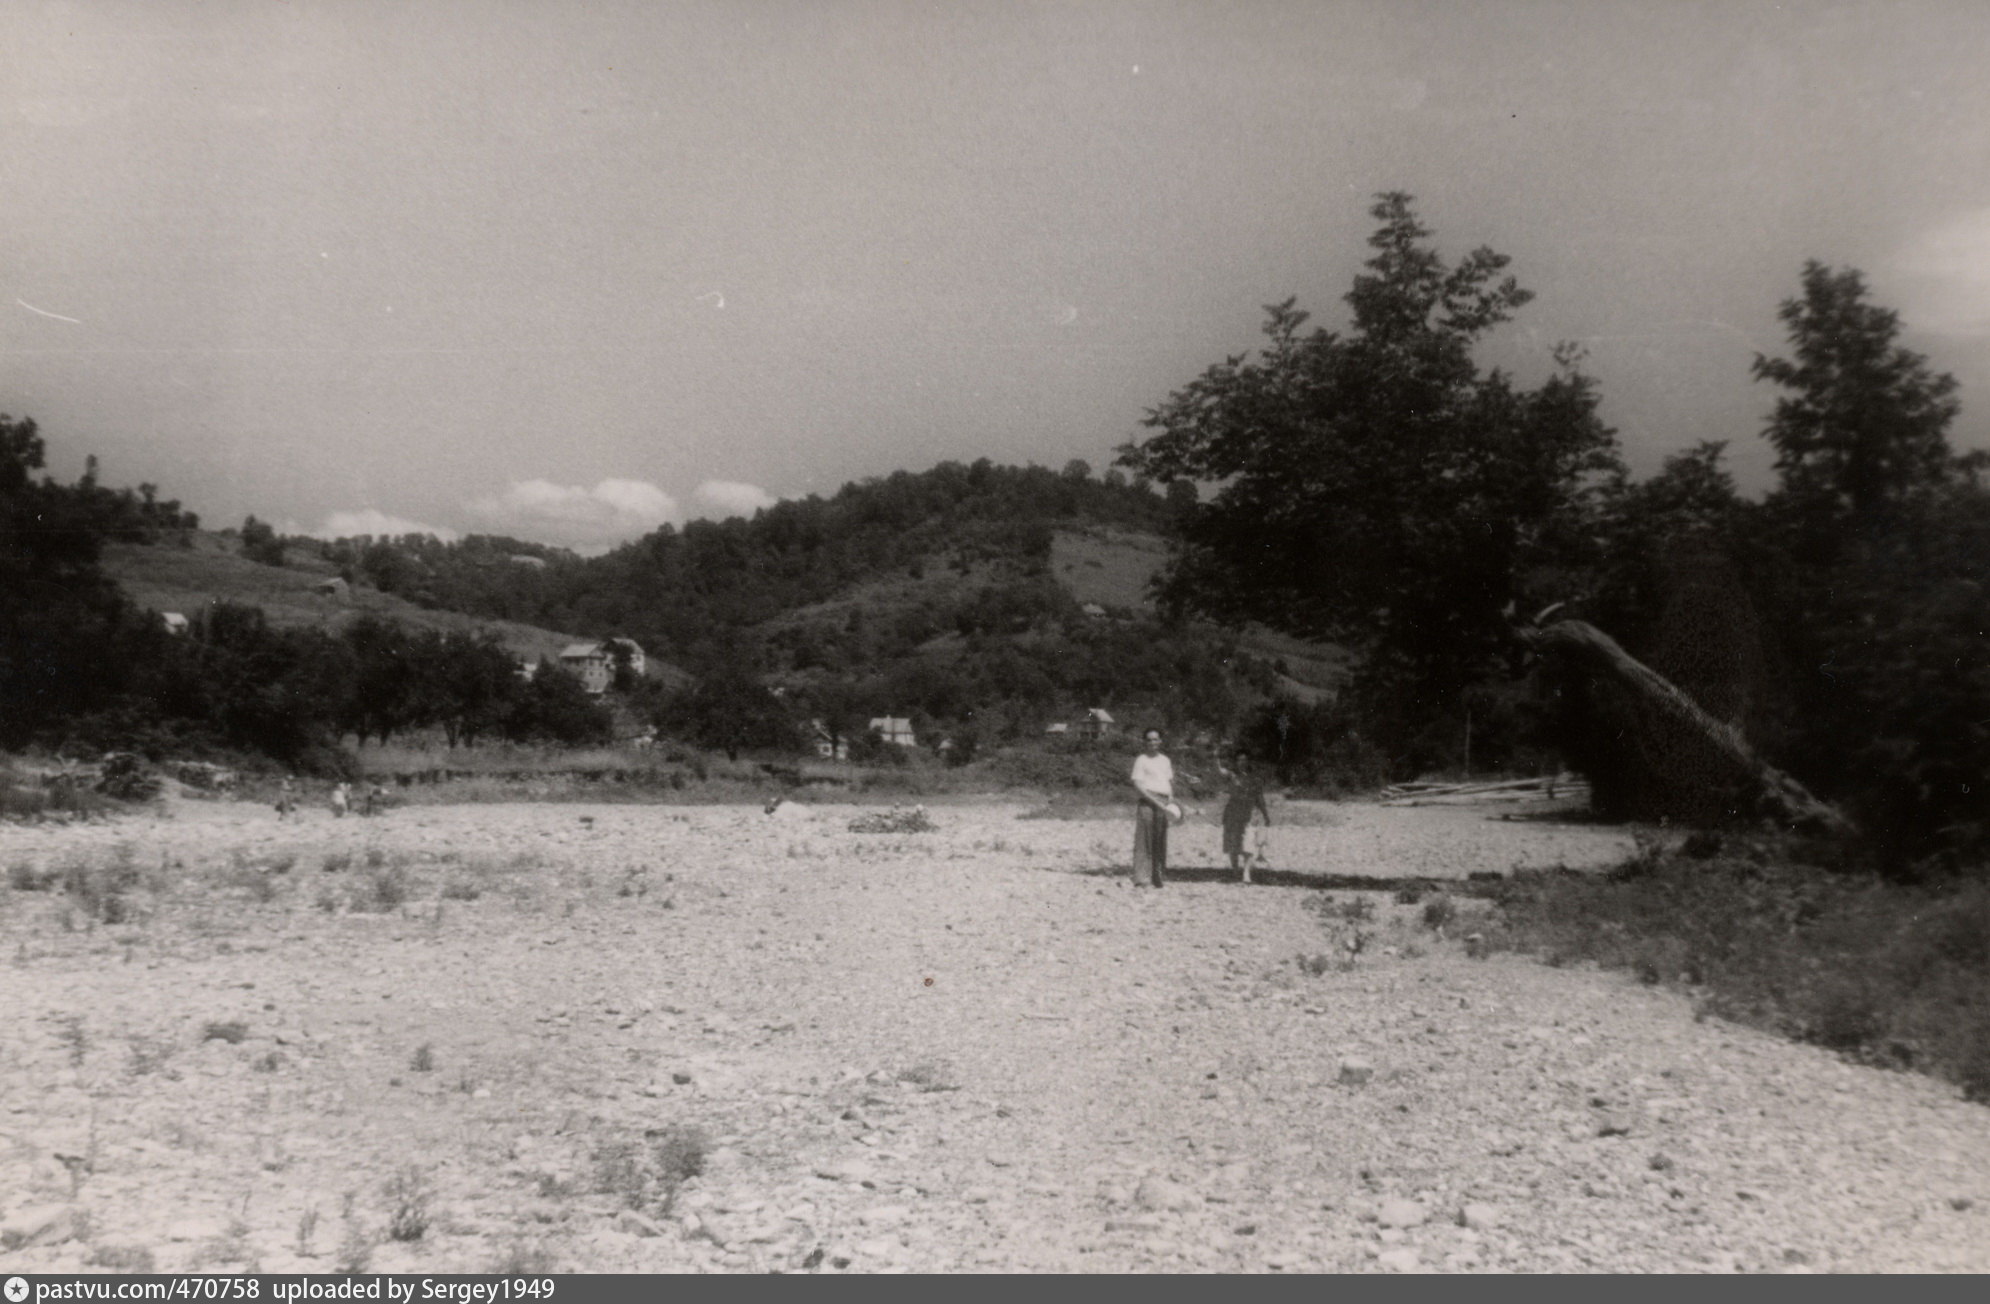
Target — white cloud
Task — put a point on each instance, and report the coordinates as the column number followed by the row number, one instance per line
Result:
column 723, row 498
column 371, row 520
column 1941, row 281
column 587, row 520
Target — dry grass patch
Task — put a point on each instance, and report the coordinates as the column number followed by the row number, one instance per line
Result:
column 1883, row 973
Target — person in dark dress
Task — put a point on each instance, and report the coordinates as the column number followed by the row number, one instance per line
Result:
column 1246, row 799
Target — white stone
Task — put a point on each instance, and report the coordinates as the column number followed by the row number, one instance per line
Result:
column 1161, row 1194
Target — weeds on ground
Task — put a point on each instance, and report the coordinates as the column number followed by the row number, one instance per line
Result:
column 149, row 1055
column 524, row 1259
column 23, row 876
column 895, row 820
column 257, row 878
column 1884, row 973
column 646, row 1174
column 307, row 1231
column 355, row 1253
column 928, row 1078
column 123, row 1258
column 383, row 889
column 70, row 1033
column 423, row 1060
column 100, row 886
column 1439, row 912
column 233, row 1032
column 408, row 1196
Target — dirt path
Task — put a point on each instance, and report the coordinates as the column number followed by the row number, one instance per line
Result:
column 967, row 1049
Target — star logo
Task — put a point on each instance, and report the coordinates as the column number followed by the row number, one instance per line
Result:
column 17, row 1289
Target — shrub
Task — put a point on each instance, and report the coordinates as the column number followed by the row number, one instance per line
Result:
column 896, row 820
column 648, row 1174
column 123, row 1258
column 99, row 886
column 383, row 889
column 522, row 1259
column 408, row 1195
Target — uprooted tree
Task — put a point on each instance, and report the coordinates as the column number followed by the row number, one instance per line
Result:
column 1650, row 751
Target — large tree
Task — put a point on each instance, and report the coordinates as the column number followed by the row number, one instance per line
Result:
column 1377, row 487
column 1863, row 427
column 1876, row 582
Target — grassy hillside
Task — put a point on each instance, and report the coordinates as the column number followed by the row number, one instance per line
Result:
column 1116, row 568
column 988, row 599
column 1111, row 567
column 165, row 577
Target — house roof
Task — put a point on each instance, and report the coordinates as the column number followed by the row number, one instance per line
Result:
column 1100, row 715
column 582, row 652
column 891, row 724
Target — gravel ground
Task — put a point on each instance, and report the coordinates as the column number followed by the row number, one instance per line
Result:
column 972, row 1049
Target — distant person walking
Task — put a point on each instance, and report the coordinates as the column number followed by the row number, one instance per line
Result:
column 1154, row 780
column 341, row 800
column 1246, row 799
column 286, row 798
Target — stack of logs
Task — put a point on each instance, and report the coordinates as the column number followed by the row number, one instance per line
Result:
column 1557, row 787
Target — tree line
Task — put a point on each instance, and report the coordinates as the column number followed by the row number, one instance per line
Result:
column 1379, row 488
column 80, row 664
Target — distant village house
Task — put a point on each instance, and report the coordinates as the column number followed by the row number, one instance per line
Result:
column 594, row 663
column 332, row 588
column 1095, row 724
column 827, row 745
column 174, row 622
column 893, row 729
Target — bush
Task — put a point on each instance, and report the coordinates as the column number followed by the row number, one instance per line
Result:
column 648, row 1174
column 383, row 889
column 408, row 1195
column 895, row 820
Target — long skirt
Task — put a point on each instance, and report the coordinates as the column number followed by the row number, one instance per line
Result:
column 1236, row 819
column 1150, row 844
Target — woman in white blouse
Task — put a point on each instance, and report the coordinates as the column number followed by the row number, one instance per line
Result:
column 1154, row 780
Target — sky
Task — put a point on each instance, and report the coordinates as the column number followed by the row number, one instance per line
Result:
column 567, row 271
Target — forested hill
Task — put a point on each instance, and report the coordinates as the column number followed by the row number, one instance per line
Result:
column 696, row 595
